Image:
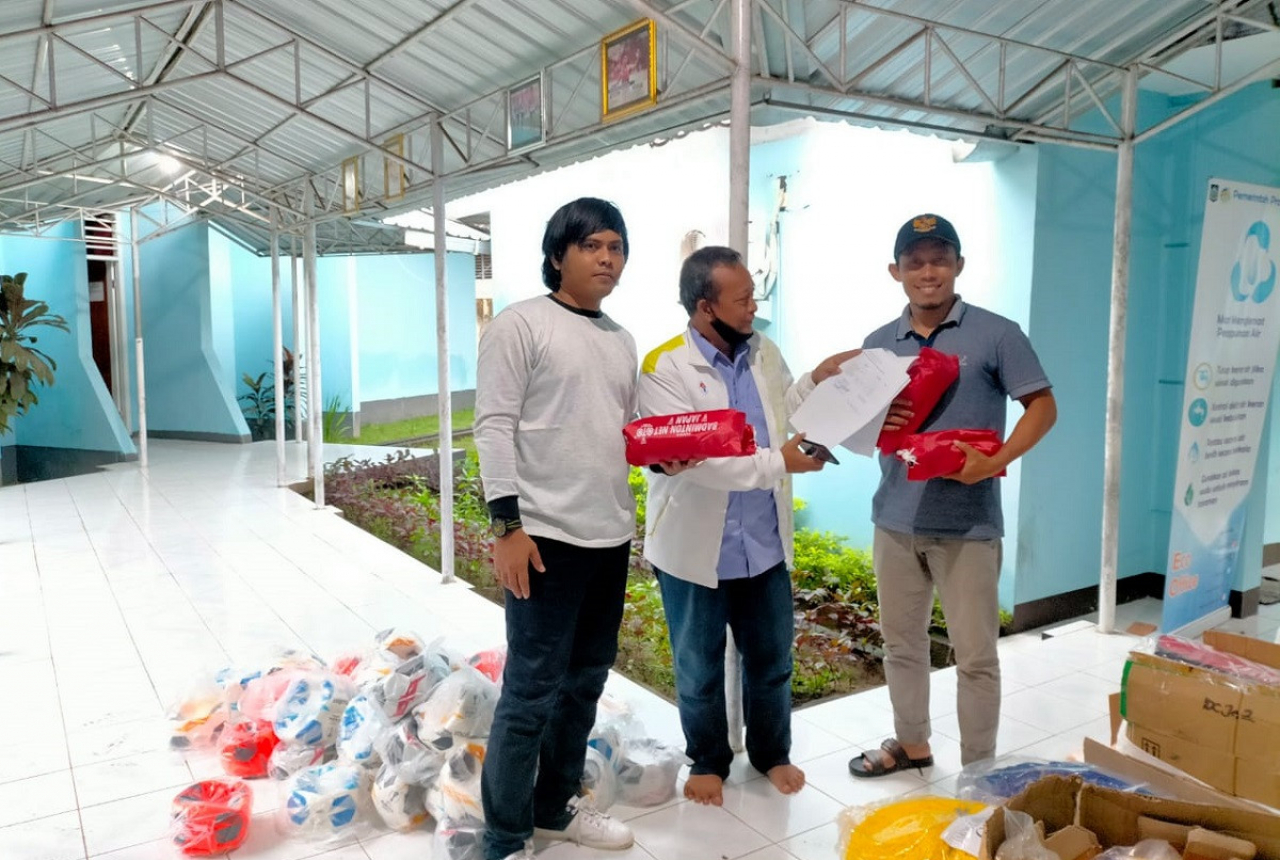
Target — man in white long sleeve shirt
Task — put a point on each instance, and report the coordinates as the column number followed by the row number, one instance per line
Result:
column 719, row 536
column 555, row 385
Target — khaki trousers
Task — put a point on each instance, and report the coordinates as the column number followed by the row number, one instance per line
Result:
column 965, row 573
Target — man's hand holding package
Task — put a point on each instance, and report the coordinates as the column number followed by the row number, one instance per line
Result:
column 977, row 465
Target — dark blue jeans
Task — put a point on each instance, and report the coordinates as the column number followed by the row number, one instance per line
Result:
column 561, row 643
column 759, row 612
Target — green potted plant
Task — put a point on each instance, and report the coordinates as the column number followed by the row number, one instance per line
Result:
column 22, row 365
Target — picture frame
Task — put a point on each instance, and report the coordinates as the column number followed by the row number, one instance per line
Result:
column 629, row 69
column 394, row 176
column 351, row 185
column 526, row 115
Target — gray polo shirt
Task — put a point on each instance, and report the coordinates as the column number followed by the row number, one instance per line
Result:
column 996, row 362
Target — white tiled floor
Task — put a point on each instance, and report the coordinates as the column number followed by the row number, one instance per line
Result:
column 116, row 590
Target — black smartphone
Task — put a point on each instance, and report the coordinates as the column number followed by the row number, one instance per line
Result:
column 818, row 452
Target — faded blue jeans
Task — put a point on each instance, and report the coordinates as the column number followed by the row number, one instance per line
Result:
column 561, row 643
column 759, row 612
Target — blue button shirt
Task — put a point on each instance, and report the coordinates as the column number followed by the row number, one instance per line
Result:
column 750, row 544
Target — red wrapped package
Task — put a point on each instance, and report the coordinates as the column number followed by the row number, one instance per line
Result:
column 933, row 455
column 246, row 748
column 211, row 817
column 932, row 373
column 689, row 436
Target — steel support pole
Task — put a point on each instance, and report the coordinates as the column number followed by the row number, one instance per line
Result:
column 277, row 328
column 315, row 390
column 299, row 348
column 138, row 352
column 739, row 183
column 444, row 447
column 1115, row 357
column 740, row 125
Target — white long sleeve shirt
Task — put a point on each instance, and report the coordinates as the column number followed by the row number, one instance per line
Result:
column 554, row 388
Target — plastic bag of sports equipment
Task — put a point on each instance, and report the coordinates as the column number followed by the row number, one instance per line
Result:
column 689, row 436
column 934, row 455
column 404, row 752
column 490, row 663
column 599, row 779
column 363, row 723
column 409, row 684
column 401, row 805
column 326, row 802
column 1147, row 849
column 211, row 817
column 1021, row 839
column 901, row 829
column 455, row 841
column 289, row 759
column 647, row 772
column 461, row 704
column 455, row 797
column 246, row 748
column 310, row 708
column 996, row 780
column 931, row 374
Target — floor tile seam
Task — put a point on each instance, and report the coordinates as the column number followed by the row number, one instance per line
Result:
column 62, row 719
column 212, row 548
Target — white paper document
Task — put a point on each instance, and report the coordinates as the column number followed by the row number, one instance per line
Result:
column 849, row 408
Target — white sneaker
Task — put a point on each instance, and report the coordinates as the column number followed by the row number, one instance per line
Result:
column 525, row 853
column 591, row 828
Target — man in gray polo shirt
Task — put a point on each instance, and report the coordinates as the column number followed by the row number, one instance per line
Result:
column 945, row 533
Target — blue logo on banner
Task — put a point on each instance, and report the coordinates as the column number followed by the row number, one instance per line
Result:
column 1198, row 412
column 1254, row 273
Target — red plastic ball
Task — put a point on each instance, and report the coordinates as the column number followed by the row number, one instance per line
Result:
column 212, row 817
column 246, row 748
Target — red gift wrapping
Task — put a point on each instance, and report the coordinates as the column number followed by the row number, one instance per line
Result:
column 689, row 436
column 932, row 455
column 932, row 373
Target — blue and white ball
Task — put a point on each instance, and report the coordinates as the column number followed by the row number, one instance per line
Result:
column 324, row 801
column 309, row 711
column 362, row 724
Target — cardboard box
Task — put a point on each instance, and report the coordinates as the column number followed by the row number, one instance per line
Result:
column 1113, row 815
column 1074, row 842
column 1222, row 732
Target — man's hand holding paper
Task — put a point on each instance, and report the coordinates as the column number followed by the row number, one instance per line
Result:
column 850, row 407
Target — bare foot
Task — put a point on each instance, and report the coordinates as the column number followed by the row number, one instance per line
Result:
column 705, row 788
column 787, row 778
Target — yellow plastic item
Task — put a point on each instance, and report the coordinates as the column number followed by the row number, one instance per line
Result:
column 904, row 829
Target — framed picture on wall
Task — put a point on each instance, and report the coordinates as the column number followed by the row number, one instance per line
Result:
column 526, row 117
column 629, row 69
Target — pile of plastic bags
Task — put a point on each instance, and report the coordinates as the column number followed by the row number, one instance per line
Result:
column 392, row 735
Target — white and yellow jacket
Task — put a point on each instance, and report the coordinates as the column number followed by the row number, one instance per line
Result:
column 684, row 519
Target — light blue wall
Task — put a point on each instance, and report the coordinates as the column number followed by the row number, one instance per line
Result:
column 397, row 324
column 1070, row 312
column 189, row 387
column 250, row 286
column 849, row 189
column 77, row 412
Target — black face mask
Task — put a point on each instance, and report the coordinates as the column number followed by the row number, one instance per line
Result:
column 731, row 335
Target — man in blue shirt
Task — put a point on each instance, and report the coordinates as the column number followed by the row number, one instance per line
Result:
column 719, row 535
column 945, row 533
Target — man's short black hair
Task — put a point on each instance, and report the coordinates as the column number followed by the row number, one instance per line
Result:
column 695, row 274
column 570, row 225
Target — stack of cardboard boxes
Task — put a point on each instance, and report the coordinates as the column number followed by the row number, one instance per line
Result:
column 1222, row 730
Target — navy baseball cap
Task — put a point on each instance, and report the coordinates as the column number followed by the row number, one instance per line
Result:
column 926, row 226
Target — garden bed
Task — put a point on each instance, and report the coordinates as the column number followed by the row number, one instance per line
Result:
column 837, row 646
